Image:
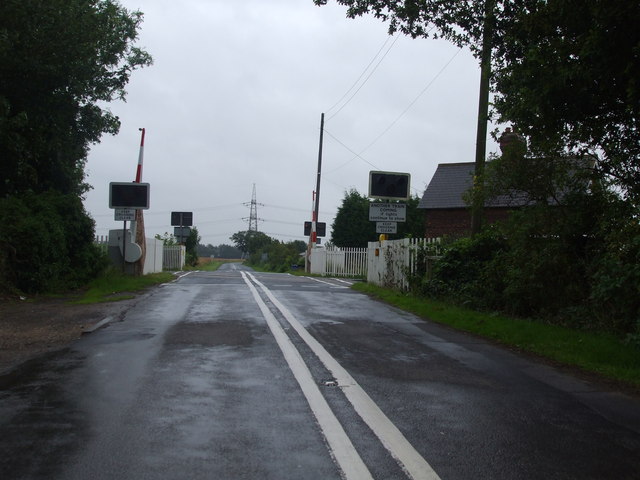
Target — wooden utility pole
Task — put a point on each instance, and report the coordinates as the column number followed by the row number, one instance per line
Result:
column 477, row 208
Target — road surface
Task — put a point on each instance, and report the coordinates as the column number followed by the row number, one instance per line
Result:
column 242, row 375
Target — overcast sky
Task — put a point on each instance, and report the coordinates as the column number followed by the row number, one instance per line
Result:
column 234, row 98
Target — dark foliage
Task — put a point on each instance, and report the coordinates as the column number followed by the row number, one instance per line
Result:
column 60, row 60
column 46, row 243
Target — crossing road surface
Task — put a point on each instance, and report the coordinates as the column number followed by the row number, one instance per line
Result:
column 242, row 375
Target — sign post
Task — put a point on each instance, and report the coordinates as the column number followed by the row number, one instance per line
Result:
column 125, row 198
column 183, row 220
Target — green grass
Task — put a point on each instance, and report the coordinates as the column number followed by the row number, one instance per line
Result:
column 210, row 265
column 599, row 353
column 113, row 286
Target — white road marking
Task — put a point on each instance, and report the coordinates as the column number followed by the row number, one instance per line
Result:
column 414, row 465
column 340, row 445
column 343, row 281
column 321, row 281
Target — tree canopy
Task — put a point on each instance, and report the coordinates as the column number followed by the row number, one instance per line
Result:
column 566, row 74
column 250, row 241
column 60, row 62
column 460, row 21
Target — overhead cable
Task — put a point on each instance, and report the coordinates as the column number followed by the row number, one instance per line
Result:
column 361, row 75
column 375, row 140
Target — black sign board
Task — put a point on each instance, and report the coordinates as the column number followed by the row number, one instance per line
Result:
column 181, row 234
column 321, row 229
column 181, row 219
column 389, row 185
column 129, row 195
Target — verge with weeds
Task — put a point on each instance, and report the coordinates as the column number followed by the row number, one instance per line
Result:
column 599, row 353
column 113, row 286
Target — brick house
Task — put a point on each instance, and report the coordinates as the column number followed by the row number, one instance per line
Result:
column 445, row 211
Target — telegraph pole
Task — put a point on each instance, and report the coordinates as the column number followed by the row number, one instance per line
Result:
column 477, row 208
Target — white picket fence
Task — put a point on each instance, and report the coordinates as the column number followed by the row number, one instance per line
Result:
column 173, row 257
column 339, row 262
column 390, row 263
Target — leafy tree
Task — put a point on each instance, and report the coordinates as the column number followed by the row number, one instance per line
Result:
column 567, row 75
column 250, row 241
column 191, row 247
column 228, row 251
column 351, row 227
column 60, row 62
column 459, row 21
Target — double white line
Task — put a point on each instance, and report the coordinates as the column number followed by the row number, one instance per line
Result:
column 339, row 443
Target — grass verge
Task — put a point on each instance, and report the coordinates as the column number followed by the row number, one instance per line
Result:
column 113, row 286
column 598, row 353
column 211, row 265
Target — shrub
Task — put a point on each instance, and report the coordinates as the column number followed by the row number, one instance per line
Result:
column 46, row 243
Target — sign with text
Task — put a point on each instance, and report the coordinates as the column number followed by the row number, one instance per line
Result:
column 387, row 212
column 124, row 214
column 386, row 227
column 181, row 233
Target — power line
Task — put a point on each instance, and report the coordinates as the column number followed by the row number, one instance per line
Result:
column 402, row 114
column 386, row 40
column 366, row 79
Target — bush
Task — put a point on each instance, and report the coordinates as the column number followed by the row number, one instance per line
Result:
column 578, row 266
column 467, row 272
column 46, row 243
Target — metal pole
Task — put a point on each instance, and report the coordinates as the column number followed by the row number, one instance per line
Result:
column 124, row 246
column 316, row 203
column 314, row 226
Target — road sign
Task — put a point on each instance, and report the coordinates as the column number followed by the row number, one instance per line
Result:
column 387, row 212
column 129, row 195
column 386, row 227
column 181, row 233
column 389, row 185
column 181, row 219
column 124, row 214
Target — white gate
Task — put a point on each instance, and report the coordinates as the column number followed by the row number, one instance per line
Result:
column 339, row 262
column 392, row 262
column 174, row 257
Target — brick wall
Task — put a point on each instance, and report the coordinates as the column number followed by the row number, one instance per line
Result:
column 456, row 222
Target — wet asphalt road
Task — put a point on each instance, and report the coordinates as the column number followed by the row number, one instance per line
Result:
column 243, row 375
